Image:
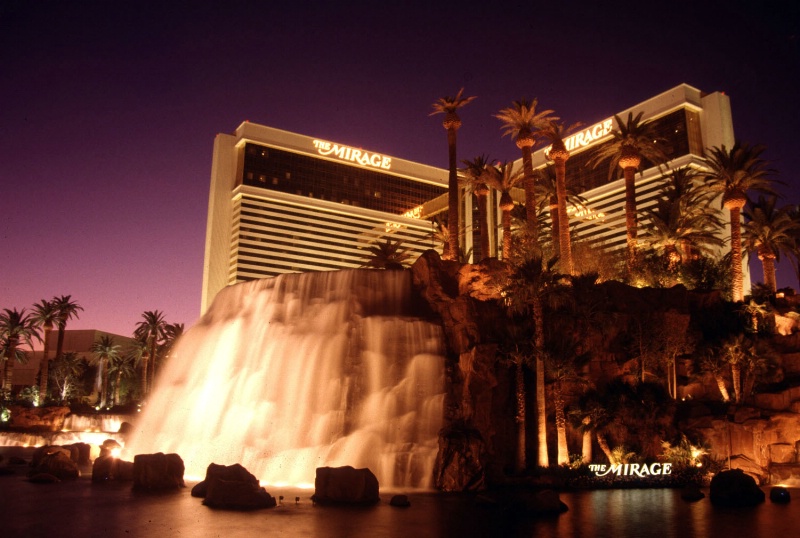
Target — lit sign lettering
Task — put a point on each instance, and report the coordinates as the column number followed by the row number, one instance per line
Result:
column 415, row 213
column 587, row 136
column 632, row 469
column 359, row 156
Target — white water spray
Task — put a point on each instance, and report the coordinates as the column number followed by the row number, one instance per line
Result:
column 289, row 374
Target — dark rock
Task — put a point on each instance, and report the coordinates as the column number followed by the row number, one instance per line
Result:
column 16, row 460
column 735, row 488
column 58, row 464
column 50, row 418
column 779, row 495
column 345, row 485
column 157, row 471
column 233, row 473
column 524, row 502
column 400, row 501
column 458, row 466
column 236, row 495
column 692, row 493
column 125, row 428
column 80, row 453
column 41, row 452
column 110, row 468
column 108, row 447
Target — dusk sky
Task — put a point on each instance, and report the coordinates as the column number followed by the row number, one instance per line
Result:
column 108, row 110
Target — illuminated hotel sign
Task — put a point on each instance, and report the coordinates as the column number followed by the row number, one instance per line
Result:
column 640, row 470
column 587, row 136
column 359, row 156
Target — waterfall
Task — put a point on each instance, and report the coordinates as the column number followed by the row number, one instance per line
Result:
column 301, row 371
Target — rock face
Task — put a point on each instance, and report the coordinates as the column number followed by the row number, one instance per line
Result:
column 157, row 471
column 458, row 466
column 345, row 485
column 232, row 487
column 49, row 418
column 735, row 488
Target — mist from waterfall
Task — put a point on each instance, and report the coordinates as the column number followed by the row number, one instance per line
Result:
column 288, row 374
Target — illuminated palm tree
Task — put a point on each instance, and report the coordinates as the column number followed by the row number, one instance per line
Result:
column 503, row 177
column 633, row 143
column 104, row 352
column 16, row 328
column 150, row 330
column 475, row 172
column 120, row 367
column 522, row 123
column 769, row 232
column 517, row 346
column 558, row 153
column 449, row 106
column 67, row 309
column 733, row 172
column 46, row 316
column 546, row 190
column 532, row 285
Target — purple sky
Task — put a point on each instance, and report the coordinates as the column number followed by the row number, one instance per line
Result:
column 108, row 110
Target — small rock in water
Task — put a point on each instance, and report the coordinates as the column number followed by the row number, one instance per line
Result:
column 401, row 501
column 780, row 495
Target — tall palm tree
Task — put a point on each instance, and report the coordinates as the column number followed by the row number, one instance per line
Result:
column 16, row 328
column 120, row 367
column 46, row 315
column 554, row 133
column 503, row 177
column 449, row 106
column 150, row 330
column 104, row 351
column 67, row 309
column 475, row 172
column 522, row 123
column 769, row 232
column 518, row 348
column 531, row 285
column 633, row 142
column 734, row 172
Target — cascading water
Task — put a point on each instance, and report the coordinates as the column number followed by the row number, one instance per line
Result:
column 289, row 374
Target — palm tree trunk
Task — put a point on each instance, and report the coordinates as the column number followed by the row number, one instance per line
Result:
column 630, row 215
column 60, row 343
column 105, row 384
column 768, row 264
column 541, row 410
column 506, row 235
column 521, row 461
column 143, row 379
column 722, row 388
column 561, row 424
column 736, row 375
column 601, row 441
column 564, row 242
column 554, row 226
column 586, row 447
column 116, row 387
column 44, row 367
column 452, row 196
column 484, row 226
column 529, row 184
column 737, row 279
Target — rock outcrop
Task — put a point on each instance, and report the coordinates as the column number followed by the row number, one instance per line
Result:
column 157, row 471
column 345, row 485
column 734, row 488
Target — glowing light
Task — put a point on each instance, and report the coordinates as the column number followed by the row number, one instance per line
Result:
column 359, row 156
column 116, row 452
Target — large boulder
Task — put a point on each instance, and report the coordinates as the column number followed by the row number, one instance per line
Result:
column 232, row 487
column 58, row 464
column 48, row 418
column 345, row 485
column 108, row 467
column 157, row 471
column 45, row 450
column 735, row 488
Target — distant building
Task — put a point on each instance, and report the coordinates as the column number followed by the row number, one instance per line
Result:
column 75, row 341
column 283, row 202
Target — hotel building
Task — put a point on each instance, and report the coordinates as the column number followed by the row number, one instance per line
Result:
column 283, row 202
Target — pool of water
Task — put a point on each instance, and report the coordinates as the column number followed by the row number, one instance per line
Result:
column 82, row 508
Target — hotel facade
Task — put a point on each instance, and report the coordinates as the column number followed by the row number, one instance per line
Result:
column 282, row 202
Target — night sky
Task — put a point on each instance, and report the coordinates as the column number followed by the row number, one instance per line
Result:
column 108, row 110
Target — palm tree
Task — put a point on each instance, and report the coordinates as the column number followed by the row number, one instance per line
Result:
column 555, row 132
column 387, row 254
column 518, row 348
column 769, row 231
column 546, row 190
column 16, row 328
column 737, row 351
column 119, row 367
column 448, row 106
column 531, row 285
column 714, row 363
column 475, row 172
column 733, row 172
column 104, row 351
column 522, row 123
column 150, row 330
column 46, row 315
column 503, row 177
column 633, row 142
column 67, row 309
